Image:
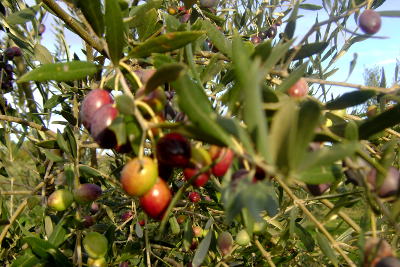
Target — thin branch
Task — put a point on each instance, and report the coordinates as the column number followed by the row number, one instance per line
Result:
column 73, row 24
column 343, row 215
column 265, row 254
column 19, row 210
column 11, row 193
column 28, row 123
column 300, row 204
column 352, row 85
column 315, row 27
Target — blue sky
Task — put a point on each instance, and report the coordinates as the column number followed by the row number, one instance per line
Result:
column 371, row 52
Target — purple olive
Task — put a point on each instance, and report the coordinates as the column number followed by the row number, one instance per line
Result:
column 317, row 189
column 391, row 183
column 87, row 193
column 370, row 21
column 92, row 103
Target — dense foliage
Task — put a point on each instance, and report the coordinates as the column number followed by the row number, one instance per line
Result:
column 194, row 133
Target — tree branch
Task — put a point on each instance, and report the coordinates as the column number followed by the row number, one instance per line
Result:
column 28, row 123
column 73, row 24
column 352, row 85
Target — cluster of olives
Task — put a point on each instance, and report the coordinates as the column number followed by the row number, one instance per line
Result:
column 62, row 199
column 6, row 69
column 269, row 33
column 144, row 178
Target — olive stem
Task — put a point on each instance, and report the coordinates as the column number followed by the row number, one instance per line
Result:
column 343, row 215
column 146, row 240
column 352, row 85
column 19, row 210
column 28, row 123
column 70, row 21
column 176, row 197
column 315, row 27
column 265, row 253
column 299, row 203
column 373, row 222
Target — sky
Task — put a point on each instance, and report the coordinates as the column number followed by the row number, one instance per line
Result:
column 371, row 52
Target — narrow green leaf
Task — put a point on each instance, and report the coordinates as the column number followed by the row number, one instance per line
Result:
column 350, row 99
column 193, row 101
column 118, row 127
column 70, row 138
column 326, row 248
column 277, row 53
column 92, row 12
column 115, row 36
column 187, row 234
column 389, row 13
column 291, row 24
column 249, row 75
column 351, row 131
column 263, row 50
column 148, row 24
column 45, row 250
column 125, row 105
column 310, row 7
column 202, row 250
column 166, row 74
column 23, row 16
column 317, row 175
column 308, row 50
column 28, row 259
column 328, row 155
column 293, row 78
column 217, row 38
column 386, row 119
column 305, row 237
column 70, row 71
column 308, row 119
column 59, row 234
column 282, row 136
column 62, row 143
column 53, row 101
column 42, row 54
column 165, row 43
column 51, row 156
column 138, row 230
column 88, row 171
column 137, row 10
column 50, row 144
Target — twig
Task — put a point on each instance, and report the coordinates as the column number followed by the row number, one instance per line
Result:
column 299, row 203
column 317, row 26
column 28, row 123
column 70, row 21
column 343, row 215
column 265, row 253
column 11, row 193
column 352, row 85
column 146, row 239
column 19, row 210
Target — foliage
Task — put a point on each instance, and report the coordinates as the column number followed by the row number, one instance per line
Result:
column 216, row 86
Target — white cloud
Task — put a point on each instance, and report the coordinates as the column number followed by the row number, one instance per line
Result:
column 386, row 61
